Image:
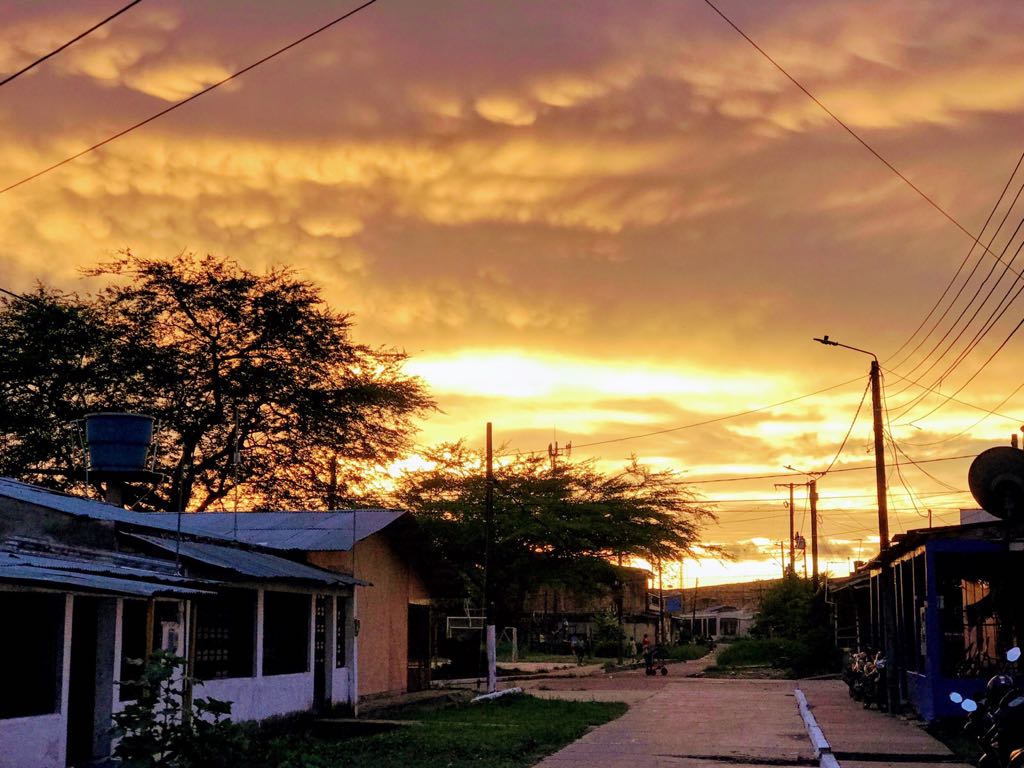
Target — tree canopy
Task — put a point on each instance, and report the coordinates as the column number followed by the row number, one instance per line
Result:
column 256, row 385
column 565, row 525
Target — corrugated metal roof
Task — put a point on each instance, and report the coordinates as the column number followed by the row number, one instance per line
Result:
column 305, row 531
column 299, row 531
column 17, row 570
column 257, row 565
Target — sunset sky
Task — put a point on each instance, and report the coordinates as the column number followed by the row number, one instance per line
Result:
column 584, row 220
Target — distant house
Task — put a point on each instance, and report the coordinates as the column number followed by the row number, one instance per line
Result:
column 553, row 612
column 719, row 622
column 264, row 605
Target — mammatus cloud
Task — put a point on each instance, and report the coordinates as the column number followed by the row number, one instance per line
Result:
column 597, row 222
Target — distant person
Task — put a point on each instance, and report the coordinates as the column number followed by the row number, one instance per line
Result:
column 579, row 649
column 633, row 654
column 648, row 648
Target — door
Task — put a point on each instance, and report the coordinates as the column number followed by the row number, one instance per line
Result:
column 419, row 648
column 320, row 654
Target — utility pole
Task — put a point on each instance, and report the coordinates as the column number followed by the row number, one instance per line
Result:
column 887, row 586
column 492, row 679
column 813, row 494
column 792, row 529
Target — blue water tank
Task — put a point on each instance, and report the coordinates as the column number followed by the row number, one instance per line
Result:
column 118, row 442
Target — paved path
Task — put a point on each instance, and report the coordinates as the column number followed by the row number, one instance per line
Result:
column 692, row 722
column 682, row 722
column 863, row 738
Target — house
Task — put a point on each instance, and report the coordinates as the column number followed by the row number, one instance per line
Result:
column 718, row 622
column 958, row 609
column 553, row 612
column 268, row 607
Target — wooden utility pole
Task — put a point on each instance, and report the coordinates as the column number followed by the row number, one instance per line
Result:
column 792, row 528
column 887, row 587
column 492, row 677
column 876, row 413
column 813, row 496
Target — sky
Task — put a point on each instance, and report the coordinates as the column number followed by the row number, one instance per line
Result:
column 585, row 221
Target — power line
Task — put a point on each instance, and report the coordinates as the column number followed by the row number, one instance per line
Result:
column 743, row 478
column 952, row 280
column 985, row 326
column 70, row 42
column 186, row 100
column 713, row 502
column 988, row 411
column 842, row 445
column 701, row 423
column 848, row 129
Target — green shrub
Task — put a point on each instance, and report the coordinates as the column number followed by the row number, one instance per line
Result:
column 685, row 651
column 607, row 649
column 160, row 730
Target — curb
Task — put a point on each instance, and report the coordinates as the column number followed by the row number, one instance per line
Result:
column 822, row 749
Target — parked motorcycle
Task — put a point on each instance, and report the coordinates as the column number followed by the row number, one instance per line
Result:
column 998, row 724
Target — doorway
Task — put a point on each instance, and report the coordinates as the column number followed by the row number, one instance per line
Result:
column 419, row 648
column 82, row 684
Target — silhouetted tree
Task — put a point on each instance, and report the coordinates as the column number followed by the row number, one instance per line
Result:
column 566, row 525
column 228, row 361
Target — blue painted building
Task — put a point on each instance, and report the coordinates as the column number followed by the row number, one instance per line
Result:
column 959, row 608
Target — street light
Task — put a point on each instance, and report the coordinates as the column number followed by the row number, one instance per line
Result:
column 887, row 584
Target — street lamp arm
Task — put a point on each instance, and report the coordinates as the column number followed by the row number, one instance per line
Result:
column 829, row 342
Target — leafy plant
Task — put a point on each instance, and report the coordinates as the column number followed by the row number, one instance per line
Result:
column 161, row 730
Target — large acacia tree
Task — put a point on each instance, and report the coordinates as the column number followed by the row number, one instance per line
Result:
column 566, row 524
column 255, row 383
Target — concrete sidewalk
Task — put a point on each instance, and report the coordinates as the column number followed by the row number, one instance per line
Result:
column 861, row 738
column 696, row 723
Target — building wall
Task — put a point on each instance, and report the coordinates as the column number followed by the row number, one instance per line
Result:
column 254, row 698
column 41, row 741
column 382, row 610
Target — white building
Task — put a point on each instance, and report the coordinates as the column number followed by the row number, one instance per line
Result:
column 86, row 586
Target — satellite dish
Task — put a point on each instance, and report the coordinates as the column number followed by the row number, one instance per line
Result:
column 996, row 480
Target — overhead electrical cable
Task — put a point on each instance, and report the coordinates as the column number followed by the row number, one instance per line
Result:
column 953, row 279
column 994, row 317
column 743, row 478
column 987, row 411
column 188, row 99
column 70, row 42
column 704, row 423
column 842, row 445
column 983, row 331
column 948, row 398
column 848, row 129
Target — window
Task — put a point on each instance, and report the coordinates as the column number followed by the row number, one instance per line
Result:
column 730, row 626
column 31, row 651
column 226, row 635
column 339, row 632
column 285, row 633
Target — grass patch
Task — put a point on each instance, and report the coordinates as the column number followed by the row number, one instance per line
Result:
column 510, row 732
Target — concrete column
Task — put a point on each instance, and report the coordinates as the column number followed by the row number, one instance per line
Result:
column 108, row 657
column 259, row 633
column 330, row 646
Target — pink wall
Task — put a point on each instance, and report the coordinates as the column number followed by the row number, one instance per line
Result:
column 382, row 610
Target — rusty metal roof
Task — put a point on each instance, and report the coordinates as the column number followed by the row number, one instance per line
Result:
column 295, row 531
column 247, row 563
column 69, row 571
